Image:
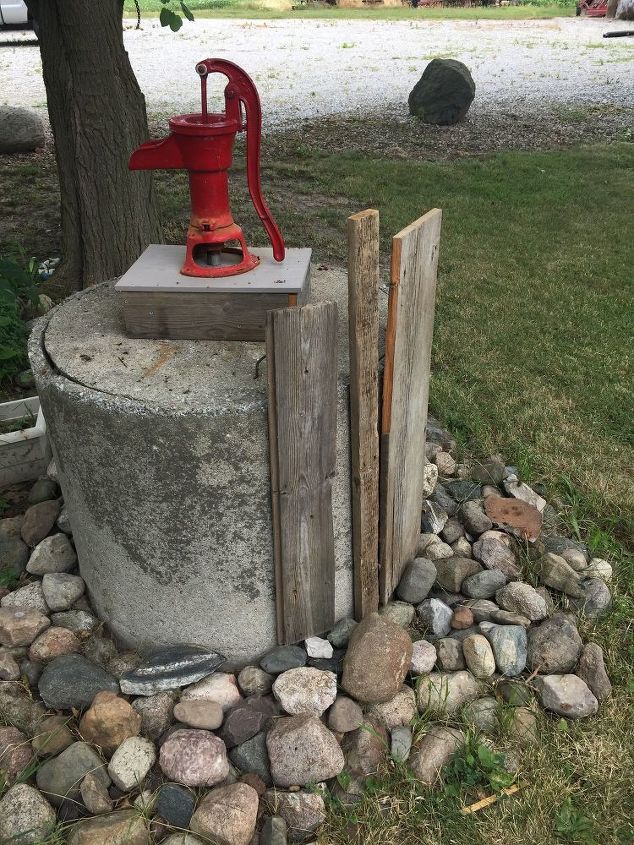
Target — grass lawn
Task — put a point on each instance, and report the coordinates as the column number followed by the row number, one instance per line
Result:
column 532, row 358
column 253, row 9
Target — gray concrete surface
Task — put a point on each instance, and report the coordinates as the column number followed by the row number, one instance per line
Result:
column 162, row 454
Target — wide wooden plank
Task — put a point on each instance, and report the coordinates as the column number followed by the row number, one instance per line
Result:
column 405, row 392
column 301, row 353
column 201, row 316
column 363, row 340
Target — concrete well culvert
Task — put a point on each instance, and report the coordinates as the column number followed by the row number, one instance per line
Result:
column 162, row 453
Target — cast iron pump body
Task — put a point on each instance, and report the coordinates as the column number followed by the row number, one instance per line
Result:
column 203, row 145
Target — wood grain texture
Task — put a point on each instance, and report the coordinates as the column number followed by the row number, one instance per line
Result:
column 301, row 352
column 363, row 340
column 200, row 316
column 405, row 393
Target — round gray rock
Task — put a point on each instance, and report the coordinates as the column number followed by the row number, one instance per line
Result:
column 509, row 646
column 444, row 92
column 416, row 581
column 554, row 646
column 302, row 750
column 25, row 816
column 21, row 130
column 566, row 695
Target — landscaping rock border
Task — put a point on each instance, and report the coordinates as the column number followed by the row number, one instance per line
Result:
column 152, row 747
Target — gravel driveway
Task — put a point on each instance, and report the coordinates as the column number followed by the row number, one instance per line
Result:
column 307, row 68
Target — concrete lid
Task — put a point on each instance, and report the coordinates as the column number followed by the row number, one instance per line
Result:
column 86, row 341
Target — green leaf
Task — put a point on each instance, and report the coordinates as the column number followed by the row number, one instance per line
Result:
column 165, row 16
column 175, row 22
column 187, row 11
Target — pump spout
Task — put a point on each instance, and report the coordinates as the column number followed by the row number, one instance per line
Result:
column 164, row 154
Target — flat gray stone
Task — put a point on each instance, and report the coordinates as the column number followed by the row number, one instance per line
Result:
column 171, row 668
column 283, row 658
column 72, row 681
column 483, row 585
column 253, row 756
column 61, row 777
column 450, row 656
column 175, row 804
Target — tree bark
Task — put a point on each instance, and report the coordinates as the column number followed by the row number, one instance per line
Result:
column 611, row 11
column 97, row 114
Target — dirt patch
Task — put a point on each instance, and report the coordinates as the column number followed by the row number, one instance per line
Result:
column 396, row 135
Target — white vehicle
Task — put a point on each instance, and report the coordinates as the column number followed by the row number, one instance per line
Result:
column 15, row 13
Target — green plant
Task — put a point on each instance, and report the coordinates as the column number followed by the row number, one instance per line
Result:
column 474, row 767
column 27, row 420
column 18, row 291
column 571, row 826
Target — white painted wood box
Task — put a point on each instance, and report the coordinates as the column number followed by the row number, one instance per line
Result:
column 24, row 454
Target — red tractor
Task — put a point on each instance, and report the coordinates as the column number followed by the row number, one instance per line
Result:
column 592, row 8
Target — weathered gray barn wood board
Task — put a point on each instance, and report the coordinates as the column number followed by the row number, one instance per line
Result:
column 363, row 315
column 405, row 393
column 301, row 347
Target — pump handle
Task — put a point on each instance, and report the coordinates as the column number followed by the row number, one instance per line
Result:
column 241, row 86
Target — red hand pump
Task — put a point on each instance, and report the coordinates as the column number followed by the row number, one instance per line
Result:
column 203, row 145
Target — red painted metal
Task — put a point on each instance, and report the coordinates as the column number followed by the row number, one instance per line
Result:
column 593, row 8
column 203, row 145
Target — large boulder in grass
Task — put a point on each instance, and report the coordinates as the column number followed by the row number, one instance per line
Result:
column 443, row 94
column 21, row 130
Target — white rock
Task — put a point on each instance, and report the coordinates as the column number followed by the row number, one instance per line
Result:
column 575, row 558
column 445, row 463
column 398, row 711
column 522, row 491
column 131, row 762
column 438, row 550
column 423, row 657
column 444, row 693
column 220, row 687
column 317, row 647
column 61, row 591
column 598, row 568
column 52, row 554
column 25, row 816
column 30, row 597
column 305, row 690
column 430, row 477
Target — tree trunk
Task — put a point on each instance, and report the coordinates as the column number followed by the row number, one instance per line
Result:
column 97, row 114
column 611, row 11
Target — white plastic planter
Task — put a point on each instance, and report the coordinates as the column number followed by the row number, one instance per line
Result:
column 24, row 454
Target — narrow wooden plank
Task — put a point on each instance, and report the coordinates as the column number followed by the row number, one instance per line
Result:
column 363, row 341
column 302, row 372
column 275, row 483
column 405, row 392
